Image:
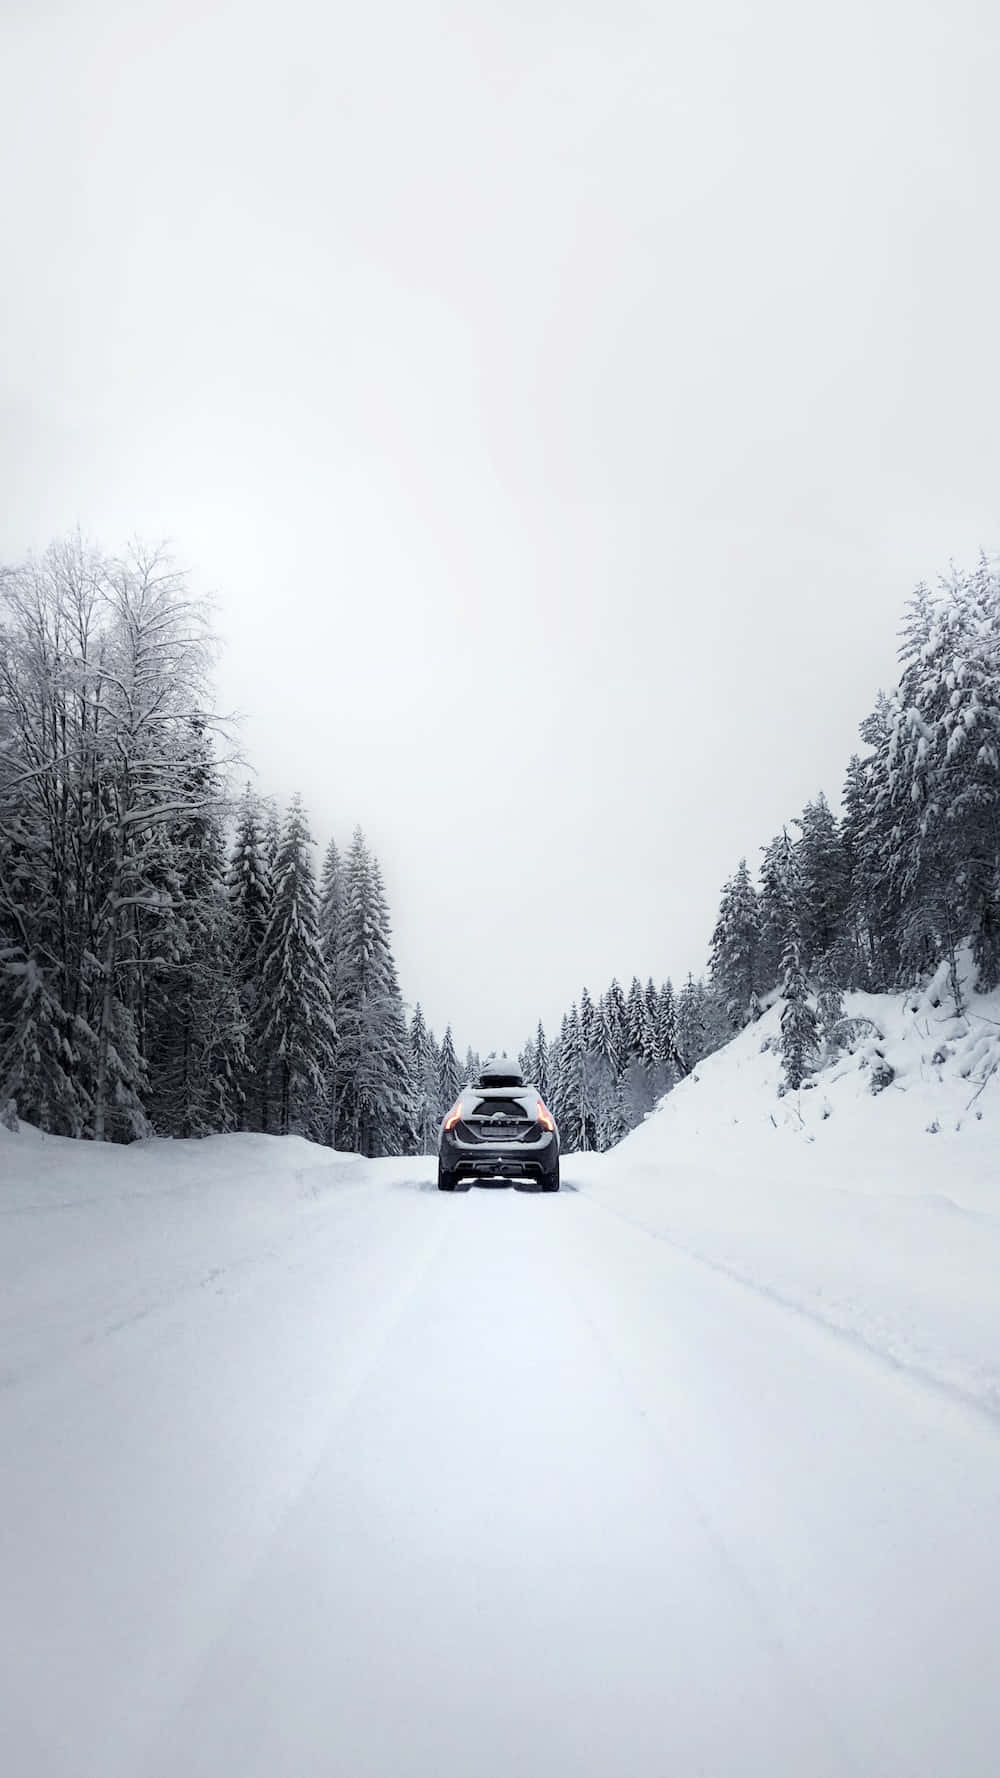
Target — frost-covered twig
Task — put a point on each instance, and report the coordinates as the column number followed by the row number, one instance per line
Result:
column 988, row 1076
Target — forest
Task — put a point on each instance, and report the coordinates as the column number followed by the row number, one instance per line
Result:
column 172, row 962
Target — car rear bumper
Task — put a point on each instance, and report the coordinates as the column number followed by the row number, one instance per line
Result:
column 514, row 1160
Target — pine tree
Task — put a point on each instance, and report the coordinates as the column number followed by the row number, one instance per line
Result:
column 733, row 964
column 652, row 1054
column 193, row 1020
column 666, row 1031
column 799, row 1036
column 272, row 835
column 610, row 1037
column 635, row 1022
column 610, row 1119
column 943, row 781
column 376, row 1091
column 690, row 1024
column 328, row 917
column 297, row 1029
column 250, row 904
column 873, row 831
column 829, row 1002
column 449, row 1082
column 587, row 1019
column 395, row 1123
column 863, row 966
column 571, row 1109
column 329, row 909
column 39, row 1056
column 424, row 1068
column 826, row 886
column 773, row 909
column 540, row 1062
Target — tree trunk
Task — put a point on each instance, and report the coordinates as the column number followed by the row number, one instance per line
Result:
column 104, row 1028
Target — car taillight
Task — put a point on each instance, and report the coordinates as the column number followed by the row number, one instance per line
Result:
column 544, row 1117
column 453, row 1116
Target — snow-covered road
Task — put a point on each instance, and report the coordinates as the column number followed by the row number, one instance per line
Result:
column 363, row 1480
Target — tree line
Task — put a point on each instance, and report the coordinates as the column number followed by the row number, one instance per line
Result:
column 169, row 963
column 154, row 976
column 875, row 899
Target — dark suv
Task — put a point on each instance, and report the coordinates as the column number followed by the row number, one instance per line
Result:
column 499, row 1129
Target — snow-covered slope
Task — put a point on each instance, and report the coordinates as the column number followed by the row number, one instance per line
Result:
column 876, row 1213
column 945, row 1083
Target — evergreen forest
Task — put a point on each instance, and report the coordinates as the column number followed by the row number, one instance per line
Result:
column 172, row 961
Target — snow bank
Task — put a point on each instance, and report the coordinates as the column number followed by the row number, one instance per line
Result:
column 35, row 1168
column 149, row 1219
column 876, row 1213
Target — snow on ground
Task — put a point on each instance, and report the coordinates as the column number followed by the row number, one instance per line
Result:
column 312, row 1472
column 876, row 1213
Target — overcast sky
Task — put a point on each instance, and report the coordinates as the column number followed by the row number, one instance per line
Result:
column 561, row 401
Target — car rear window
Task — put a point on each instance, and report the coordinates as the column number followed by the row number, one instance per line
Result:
column 506, row 1108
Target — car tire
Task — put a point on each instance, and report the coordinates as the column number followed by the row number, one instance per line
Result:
column 550, row 1181
column 446, row 1180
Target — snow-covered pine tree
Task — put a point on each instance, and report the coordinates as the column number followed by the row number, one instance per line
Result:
column 651, row 1052
column 586, row 1018
column 799, row 1035
column 691, row 1024
column 863, row 968
column 193, row 1022
column 610, row 1038
column 330, row 898
column 272, row 834
column 635, row 1022
column 611, row 1118
column 331, row 887
column 250, row 903
column 944, row 772
column 432, row 1088
column 873, row 839
column 39, row 1061
column 539, row 1073
column 637, row 1093
column 374, row 1082
column 666, row 1031
column 103, row 671
column 826, row 885
column 449, row 1081
column 733, row 963
column 53, row 826
column 829, row 1001
column 424, row 1066
column 773, row 912
column 159, row 655
column 394, row 1127
column 297, row 1029
column 571, row 1108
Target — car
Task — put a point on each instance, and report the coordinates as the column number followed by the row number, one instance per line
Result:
column 499, row 1129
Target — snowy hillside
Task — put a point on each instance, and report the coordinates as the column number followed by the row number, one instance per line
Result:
column 908, row 1068
column 876, row 1213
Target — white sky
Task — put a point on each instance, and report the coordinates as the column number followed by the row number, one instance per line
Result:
column 561, row 401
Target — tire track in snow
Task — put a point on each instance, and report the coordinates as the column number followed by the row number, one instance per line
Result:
column 921, row 1375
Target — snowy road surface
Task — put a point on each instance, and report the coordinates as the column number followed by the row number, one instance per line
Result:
column 346, row 1477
